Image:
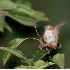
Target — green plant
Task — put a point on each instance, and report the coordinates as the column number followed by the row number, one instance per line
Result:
column 36, row 62
column 20, row 11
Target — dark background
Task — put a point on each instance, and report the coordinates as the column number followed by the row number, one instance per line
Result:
column 55, row 10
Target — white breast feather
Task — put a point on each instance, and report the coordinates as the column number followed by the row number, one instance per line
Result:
column 50, row 36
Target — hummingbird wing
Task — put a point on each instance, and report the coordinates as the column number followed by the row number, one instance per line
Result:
column 58, row 27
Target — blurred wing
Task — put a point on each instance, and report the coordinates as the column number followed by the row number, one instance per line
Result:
column 58, row 27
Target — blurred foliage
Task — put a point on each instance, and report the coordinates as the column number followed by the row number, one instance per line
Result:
column 21, row 11
column 38, row 65
column 36, row 62
column 59, row 60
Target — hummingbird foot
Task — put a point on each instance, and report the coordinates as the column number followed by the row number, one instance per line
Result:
column 41, row 46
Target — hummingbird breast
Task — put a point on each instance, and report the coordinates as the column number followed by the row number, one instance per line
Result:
column 51, row 38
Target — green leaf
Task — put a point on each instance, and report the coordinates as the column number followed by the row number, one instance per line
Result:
column 39, row 16
column 23, row 20
column 21, row 12
column 6, row 56
column 16, row 42
column 25, row 67
column 59, row 60
column 14, row 52
column 7, row 5
column 29, row 61
column 27, row 10
column 25, row 2
column 3, row 24
column 38, row 55
column 38, row 65
column 41, row 64
column 21, row 67
column 1, row 28
column 26, row 19
column 25, row 15
column 13, row 44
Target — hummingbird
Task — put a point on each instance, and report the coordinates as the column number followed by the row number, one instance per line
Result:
column 51, row 35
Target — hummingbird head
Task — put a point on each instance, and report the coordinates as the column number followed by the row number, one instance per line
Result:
column 49, row 27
